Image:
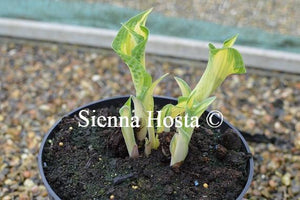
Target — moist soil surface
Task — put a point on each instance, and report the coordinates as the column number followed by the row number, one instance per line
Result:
column 93, row 163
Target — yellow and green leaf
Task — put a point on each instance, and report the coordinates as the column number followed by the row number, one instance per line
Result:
column 222, row 63
column 130, row 44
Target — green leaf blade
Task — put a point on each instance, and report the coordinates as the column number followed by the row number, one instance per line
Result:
column 133, row 34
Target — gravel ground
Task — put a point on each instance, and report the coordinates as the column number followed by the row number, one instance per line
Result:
column 274, row 16
column 40, row 82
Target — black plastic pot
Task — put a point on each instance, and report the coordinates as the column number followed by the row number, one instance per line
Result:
column 117, row 100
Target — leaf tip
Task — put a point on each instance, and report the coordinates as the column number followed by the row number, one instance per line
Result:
column 230, row 42
column 211, row 46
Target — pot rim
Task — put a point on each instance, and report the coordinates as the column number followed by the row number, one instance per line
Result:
column 56, row 197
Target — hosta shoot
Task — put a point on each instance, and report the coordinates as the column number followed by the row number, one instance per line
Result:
column 222, row 63
column 130, row 44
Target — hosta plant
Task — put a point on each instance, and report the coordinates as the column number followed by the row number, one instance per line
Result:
column 130, row 44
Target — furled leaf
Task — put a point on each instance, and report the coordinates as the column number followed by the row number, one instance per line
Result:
column 129, row 37
column 130, row 44
column 222, row 63
column 127, row 131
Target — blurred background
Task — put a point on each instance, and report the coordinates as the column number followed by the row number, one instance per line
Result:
column 42, row 79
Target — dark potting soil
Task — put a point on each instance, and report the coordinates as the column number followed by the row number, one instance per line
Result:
column 92, row 163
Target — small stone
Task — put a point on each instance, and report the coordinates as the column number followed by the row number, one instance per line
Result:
column 250, row 124
column 288, row 118
column 263, row 169
column 252, row 99
column 7, row 198
column 258, row 112
column 2, row 177
column 15, row 94
column 26, row 174
column 273, row 183
column 43, row 190
column 297, row 126
column 267, row 118
column 1, row 118
column 28, row 183
column 23, row 196
column 8, row 182
column 256, row 192
column 112, row 196
column 96, row 78
column 265, row 193
column 296, row 188
column 286, row 179
column 272, row 165
column 14, row 186
column 268, row 133
column 15, row 161
column 271, row 148
column 61, row 144
column 287, row 92
column 45, row 107
column 278, row 125
column 297, row 141
column 31, row 134
column 205, row 185
column 35, row 190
